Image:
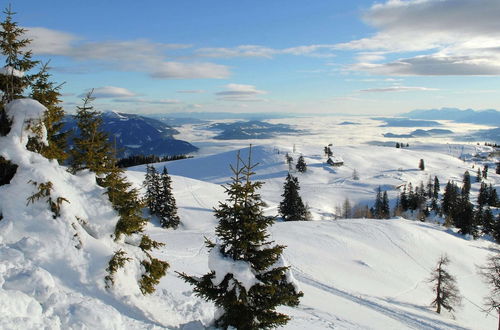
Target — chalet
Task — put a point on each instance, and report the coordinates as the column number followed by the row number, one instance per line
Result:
column 335, row 161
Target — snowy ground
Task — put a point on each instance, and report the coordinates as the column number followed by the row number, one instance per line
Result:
column 355, row 273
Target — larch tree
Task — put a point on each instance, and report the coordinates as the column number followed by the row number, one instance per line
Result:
column 447, row 295
column 249, row 300
column 292, row 207
column 491, row 275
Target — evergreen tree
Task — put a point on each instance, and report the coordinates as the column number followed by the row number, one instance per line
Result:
column 437, row 188
column 152, row 184
column 497, row 171
column 301, row 164
column 404, row 200
column 483, row 196
column 398, row 145
column 478, row 175
column 385, row 211
column 495, row 232
column 486, row 219
column 445, row 288
column 491, row 275
column 167, row 208
column 421, row 165
column 91, row 150
column 14, row 78
column 242, row 231
column 449, row 197
column 291, row 207
column 48, row 93
column 466, row 185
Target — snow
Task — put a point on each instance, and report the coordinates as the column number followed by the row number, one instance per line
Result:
column 355, row 273
column 242, row 271
column 10, row 71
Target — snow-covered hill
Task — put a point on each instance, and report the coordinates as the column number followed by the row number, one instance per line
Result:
column 355, row 273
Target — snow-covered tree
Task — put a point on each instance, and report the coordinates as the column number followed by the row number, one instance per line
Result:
column 248, row 278
column 292, row 207
column 447, row 295
column 48, row 93
column 301, row 164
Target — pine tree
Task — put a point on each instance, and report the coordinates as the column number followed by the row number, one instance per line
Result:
column 301, row 164
column 15, row 78
column 291, row 207
column 491, row 275
column 152, row 184
column 437, row 187
column 466, row 185
column 478, row 175
column 421, row 165
column 91, row 150
column 385, row 211
column 242, row 231
column 445, row 288
column 167, row 208
column 48, row 93
column 497, row 170
column 485, row 171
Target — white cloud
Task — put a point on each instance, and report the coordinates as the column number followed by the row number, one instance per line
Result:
column 132, row 55
column 267, row 52
column 110, row 92
column 147, row 101
column 240, row 92
column 458, row 37
column 397, row 89
column 191, row 91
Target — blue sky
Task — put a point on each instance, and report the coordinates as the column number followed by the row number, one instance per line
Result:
column 356, row 57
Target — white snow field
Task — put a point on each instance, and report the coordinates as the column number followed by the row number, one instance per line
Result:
column 355, row 273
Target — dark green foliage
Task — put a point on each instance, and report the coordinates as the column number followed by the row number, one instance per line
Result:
column 242, row 231
column 91, row 148
column 291, row 207
column 478, row 175
column 7, row 171
column 301, row 165
column 398, row 145
column 160, row 198
column 495, row 232
column 421, row 165
column 135, row 160
column 445, row 288
column 44, row 190
column 117, row 261
column 381, row 208
column 155, row 269
column 147, row 244
column 167, row 208
column 48, row 94
column 466, row 185
column 152, row 184
column 497, row 170
column 486, row 219
column 13, row 47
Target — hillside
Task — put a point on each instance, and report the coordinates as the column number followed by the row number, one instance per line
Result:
column 139, row 135
column 355, row 273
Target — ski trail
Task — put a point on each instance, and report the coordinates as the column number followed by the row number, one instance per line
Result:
column 407, row 318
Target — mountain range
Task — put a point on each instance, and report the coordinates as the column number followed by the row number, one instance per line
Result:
column 482, row 117
column 139, row 135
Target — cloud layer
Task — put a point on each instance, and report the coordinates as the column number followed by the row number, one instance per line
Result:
column 459, row 37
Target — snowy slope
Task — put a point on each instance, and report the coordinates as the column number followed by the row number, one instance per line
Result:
column 355, row 273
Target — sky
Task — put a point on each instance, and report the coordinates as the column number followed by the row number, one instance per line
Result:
column 291, row 56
